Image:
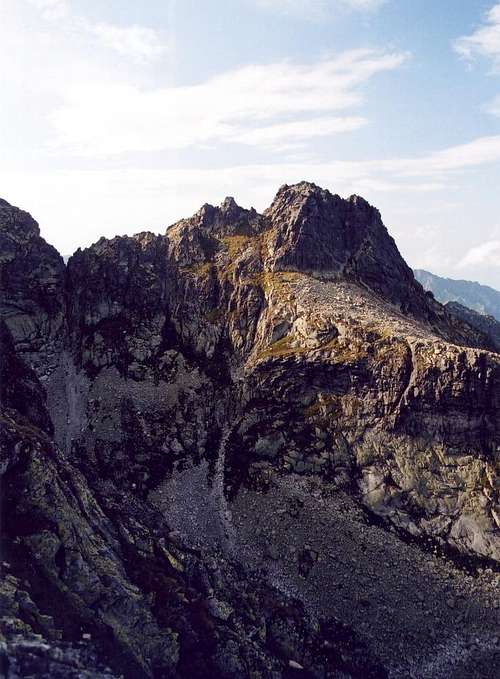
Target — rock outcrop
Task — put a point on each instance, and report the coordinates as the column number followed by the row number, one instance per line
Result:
column 161, row 392
column 32, row 286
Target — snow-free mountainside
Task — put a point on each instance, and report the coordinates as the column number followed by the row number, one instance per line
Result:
column 478, row 305
column 253, row 446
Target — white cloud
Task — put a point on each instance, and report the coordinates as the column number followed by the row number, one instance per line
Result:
column 472, row 154
column 143, row 44
column 484, row 41
column 485, row 254
column 52, row 10
column 435, row 168
column 258, row 105
column 139, row 43
column 298, row 131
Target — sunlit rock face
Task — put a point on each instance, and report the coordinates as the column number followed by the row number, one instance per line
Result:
column 220, row 430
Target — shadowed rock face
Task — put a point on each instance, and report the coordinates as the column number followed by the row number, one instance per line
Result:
column 318, row 231
column 32, row 286
column 110, row 580
column 239, row 365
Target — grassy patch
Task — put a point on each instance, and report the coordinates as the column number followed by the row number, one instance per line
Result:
column 280, row 348
column 235, row 245
column 198, row 269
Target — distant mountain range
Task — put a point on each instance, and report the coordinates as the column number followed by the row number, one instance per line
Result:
column 478, row 305
column 480, row 298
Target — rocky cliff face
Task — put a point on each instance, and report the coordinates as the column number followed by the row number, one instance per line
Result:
column 219, row 406
column 32, row 285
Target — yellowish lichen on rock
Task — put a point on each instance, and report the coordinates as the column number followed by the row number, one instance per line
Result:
column 175, row 563
column 199, row 269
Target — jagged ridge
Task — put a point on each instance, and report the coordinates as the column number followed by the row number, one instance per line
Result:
column 248, row 348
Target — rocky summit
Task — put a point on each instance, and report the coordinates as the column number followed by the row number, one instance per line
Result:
column 254, row 447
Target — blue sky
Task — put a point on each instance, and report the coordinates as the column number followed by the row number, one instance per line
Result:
column 120, row 116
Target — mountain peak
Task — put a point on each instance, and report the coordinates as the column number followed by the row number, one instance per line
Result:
column 308, row 229
column 229, row 205
column 318, row 231
column 16, row 224
column 293, row 196
column 195, row 386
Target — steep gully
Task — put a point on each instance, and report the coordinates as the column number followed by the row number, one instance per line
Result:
column 195, row 503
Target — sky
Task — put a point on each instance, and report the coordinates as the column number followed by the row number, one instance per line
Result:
column 119, row 116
